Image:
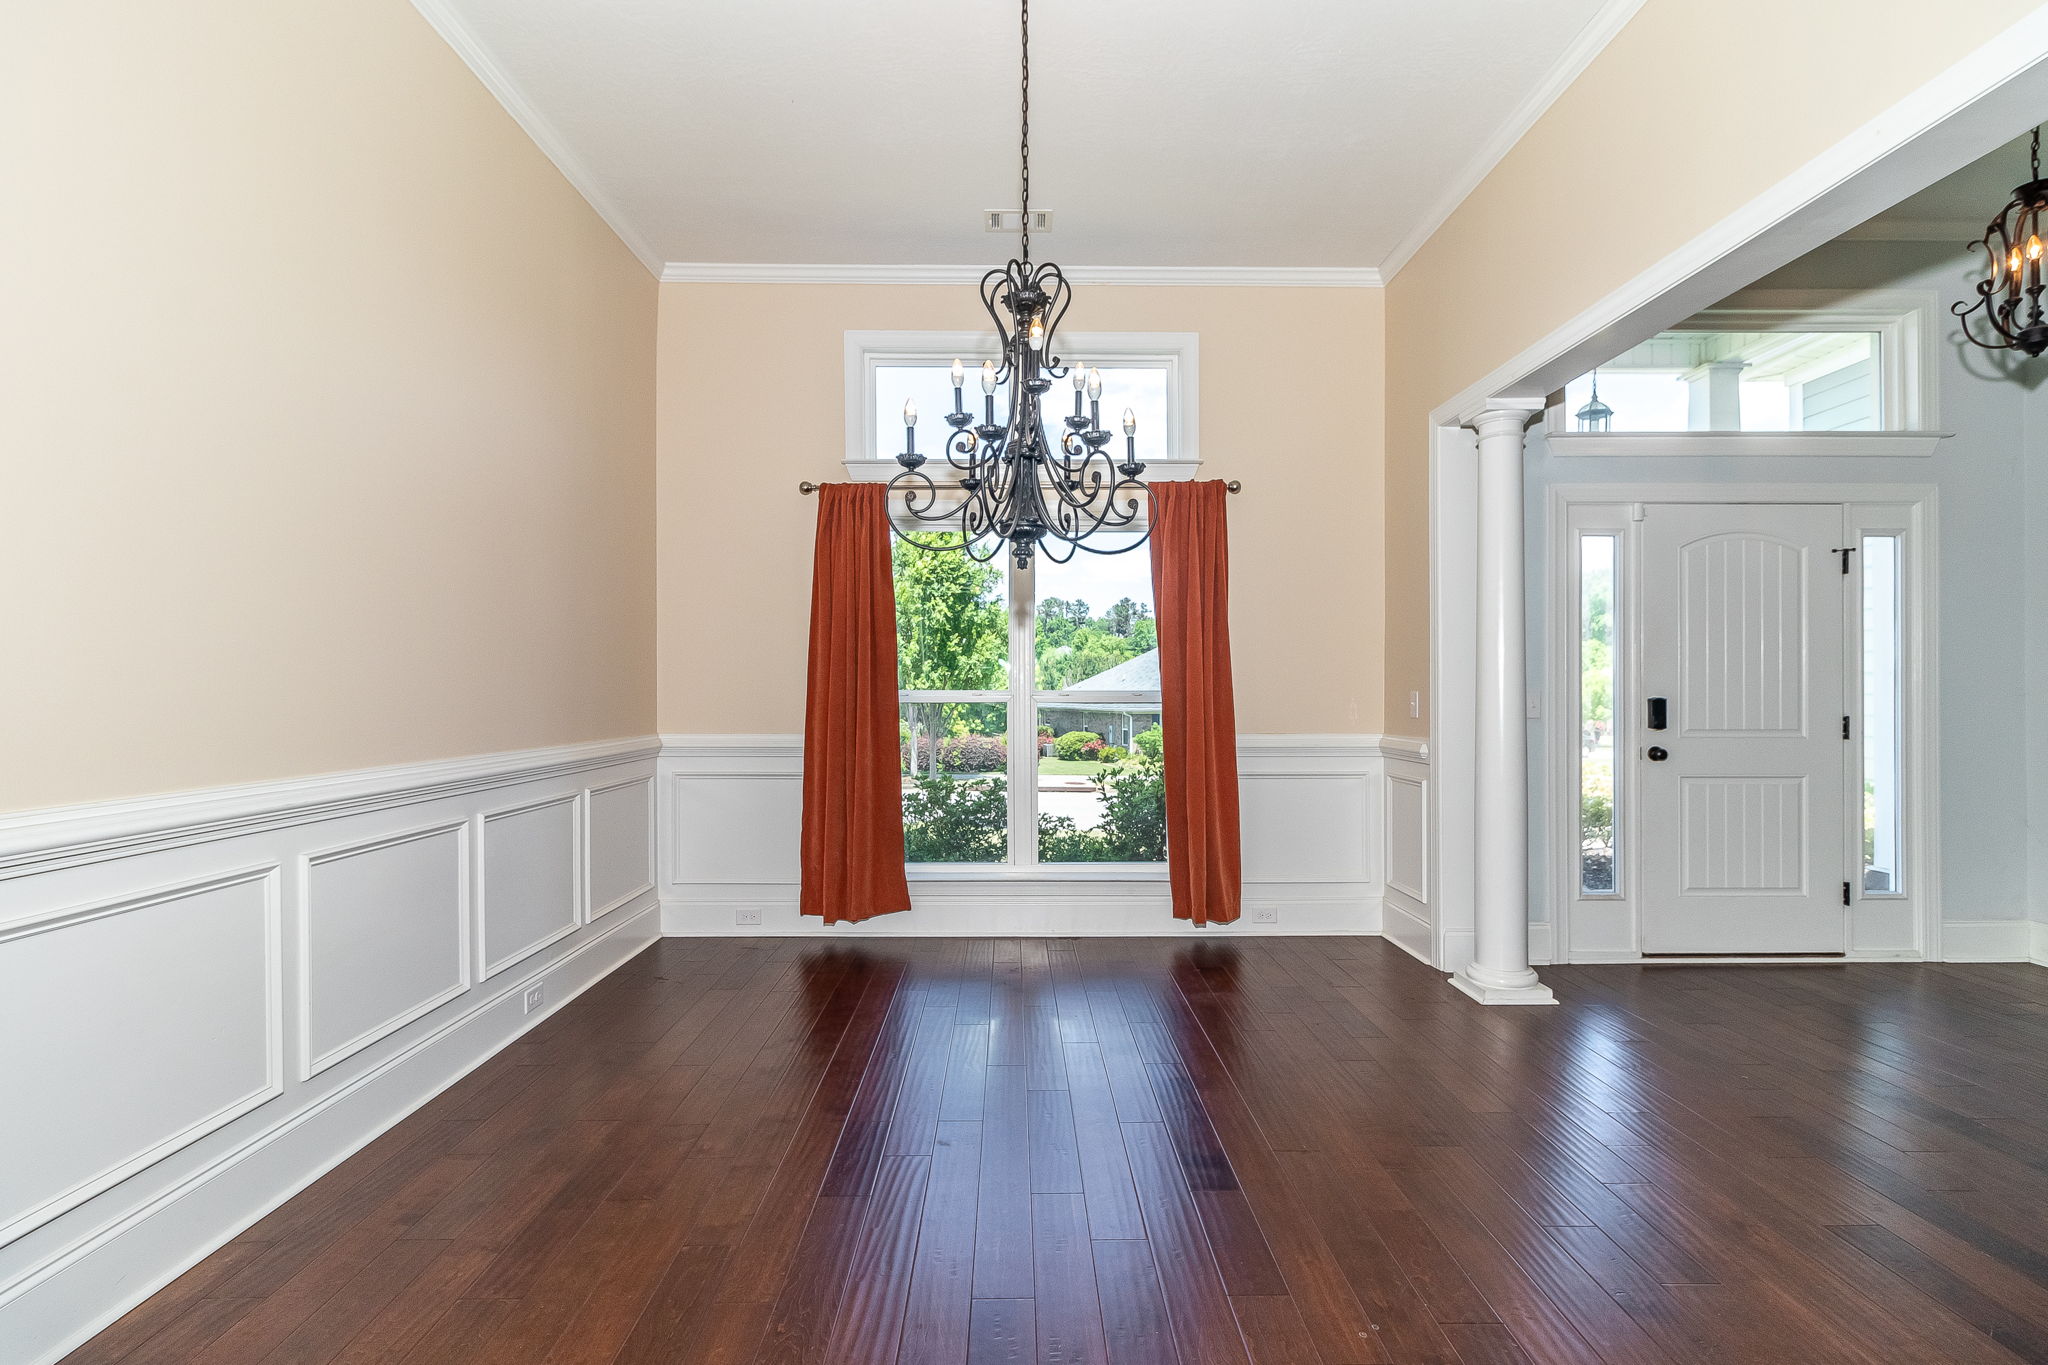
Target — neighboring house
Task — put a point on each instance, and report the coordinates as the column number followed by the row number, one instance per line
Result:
column 1116, row 720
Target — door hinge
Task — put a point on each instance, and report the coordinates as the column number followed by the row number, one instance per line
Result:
column 1845, row 893
column 1845, row 557
column 1845, row 727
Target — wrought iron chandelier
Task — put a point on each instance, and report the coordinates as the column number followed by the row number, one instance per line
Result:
column 2009, row 297
column 1015, row 484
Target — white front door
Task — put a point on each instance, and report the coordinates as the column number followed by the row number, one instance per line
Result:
column 1743, row 813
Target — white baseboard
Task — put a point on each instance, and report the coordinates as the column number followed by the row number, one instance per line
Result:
column 1112, row 915
column 2037, row 943
column 225, row 993
column 1999, row 940
column 1327, row 841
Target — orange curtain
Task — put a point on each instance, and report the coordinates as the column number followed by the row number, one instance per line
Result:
column 853, row 788
column 1191, row 593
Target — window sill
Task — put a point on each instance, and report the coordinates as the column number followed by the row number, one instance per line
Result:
column 1772, row 444
column 924, row 874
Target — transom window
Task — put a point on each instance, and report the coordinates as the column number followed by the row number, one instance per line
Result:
column 1030, row 727
column 1773, row 361
column 1153, row 374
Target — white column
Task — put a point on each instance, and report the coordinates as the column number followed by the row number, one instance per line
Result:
column 1715, row 396
column 1498, row 973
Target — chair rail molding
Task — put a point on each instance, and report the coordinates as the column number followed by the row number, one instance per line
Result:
column 1316, row 821
column 213, row 997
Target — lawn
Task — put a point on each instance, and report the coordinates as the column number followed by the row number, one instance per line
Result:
column 1069, row 767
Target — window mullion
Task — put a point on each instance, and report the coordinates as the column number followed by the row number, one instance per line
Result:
column 1023, row 718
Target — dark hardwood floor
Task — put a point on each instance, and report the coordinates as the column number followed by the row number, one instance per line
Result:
column 964, row 1152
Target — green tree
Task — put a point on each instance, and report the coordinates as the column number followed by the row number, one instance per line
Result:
column 950, row 632
column 1123, row 618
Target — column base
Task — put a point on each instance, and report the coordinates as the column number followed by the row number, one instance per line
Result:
column 1535, row 993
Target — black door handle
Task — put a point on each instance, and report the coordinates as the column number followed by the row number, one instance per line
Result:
column 1656, row 753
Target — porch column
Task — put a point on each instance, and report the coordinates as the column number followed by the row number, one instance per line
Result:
column 1498, row 973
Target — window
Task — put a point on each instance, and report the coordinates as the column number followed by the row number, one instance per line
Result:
column 1741, row 381
column 1154, row 374
column 1883, row 728
column 1774, row 361
column 1597, row 675
column 1030, row 709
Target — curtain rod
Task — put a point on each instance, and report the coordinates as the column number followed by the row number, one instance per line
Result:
column 807, row 487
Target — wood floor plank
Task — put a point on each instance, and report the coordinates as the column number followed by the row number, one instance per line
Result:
column 1068, row 1310
column 1135, row 1329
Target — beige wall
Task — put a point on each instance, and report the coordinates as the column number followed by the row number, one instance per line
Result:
column 325, row 408
column 751, row 400
column 1639, row 156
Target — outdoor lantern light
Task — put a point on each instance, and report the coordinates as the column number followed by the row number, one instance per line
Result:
column 1595, row 415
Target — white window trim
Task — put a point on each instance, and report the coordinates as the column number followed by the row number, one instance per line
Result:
column 1180, row 352
column 1023, row 702
column 1907, row 322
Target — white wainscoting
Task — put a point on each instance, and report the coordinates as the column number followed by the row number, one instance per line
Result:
column 161, row 959
column 1315, row 819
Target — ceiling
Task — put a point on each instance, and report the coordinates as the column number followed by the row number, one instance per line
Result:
column 1165, row 133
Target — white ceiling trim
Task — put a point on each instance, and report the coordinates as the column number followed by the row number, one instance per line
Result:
column 1598, row 32
column 1253, row 276
column 456, row 34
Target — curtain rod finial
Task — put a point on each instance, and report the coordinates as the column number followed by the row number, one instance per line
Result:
column 1234, row 486
column 807, row 487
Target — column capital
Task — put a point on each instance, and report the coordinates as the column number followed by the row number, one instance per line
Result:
column 1505, row 416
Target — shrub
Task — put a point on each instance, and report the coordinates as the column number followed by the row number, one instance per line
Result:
column 1045, row 732
column 1113, row 753
column 974, row 754
column 960, row 754
column 956, row 822
column 1092, row 750
column 1133, row 827
column 1151, row 743
column 1069, row 745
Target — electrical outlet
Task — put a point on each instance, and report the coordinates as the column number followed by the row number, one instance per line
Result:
column 747, row 914
column 1265, row 914
column 536, row 995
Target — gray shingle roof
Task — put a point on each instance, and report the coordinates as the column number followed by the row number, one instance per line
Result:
column 1132, row 675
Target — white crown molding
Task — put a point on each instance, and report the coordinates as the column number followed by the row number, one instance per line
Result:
column 1957, row 232
column 1213, row 276
column 1598, row 32
column 35, row 840
column 444, row 20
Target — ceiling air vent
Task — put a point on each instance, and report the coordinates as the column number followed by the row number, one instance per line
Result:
column 1012, row 220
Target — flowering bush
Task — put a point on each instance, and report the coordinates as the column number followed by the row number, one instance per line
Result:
column 1069, row 745
column 960, row 754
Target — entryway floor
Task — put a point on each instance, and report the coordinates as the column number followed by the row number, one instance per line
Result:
column 1266, row 1150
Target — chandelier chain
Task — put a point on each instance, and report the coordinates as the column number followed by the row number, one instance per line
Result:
column 2034, row 155
column 1024, row 122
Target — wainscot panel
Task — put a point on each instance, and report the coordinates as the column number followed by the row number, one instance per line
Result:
column 1315, row 829
column 162, row 958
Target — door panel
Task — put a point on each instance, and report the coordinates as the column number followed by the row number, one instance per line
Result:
column 1743, row 822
